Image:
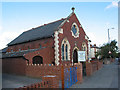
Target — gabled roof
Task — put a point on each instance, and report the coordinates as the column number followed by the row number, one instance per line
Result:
column 37, row 33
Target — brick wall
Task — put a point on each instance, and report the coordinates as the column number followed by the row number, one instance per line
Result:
column 68, row 34
column 32, row 45
column 33, row 70
column 112, row 60
column 93, row 66
column 46, row 53
column 48, row 82
column 79, row 73
column 88, row 69
column 14, row 66
column 100, row 64
column 47, row 70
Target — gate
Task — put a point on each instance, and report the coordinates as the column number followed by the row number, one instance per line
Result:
column 70, row 76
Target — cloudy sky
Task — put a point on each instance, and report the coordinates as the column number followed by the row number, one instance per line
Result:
column 95, row 17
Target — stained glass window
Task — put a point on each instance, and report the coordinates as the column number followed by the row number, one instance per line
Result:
column 63, row 52
column 74, row 30
column 66, row 49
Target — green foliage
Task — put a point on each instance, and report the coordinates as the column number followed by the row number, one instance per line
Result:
column 104, row 52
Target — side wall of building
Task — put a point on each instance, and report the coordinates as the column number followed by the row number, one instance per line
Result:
column 32, row 45
column 46, row 51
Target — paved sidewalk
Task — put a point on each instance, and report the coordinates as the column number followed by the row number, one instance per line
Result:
column 15, row 81
column 106, row 77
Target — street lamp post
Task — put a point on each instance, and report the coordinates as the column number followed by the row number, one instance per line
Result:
column 109, row 40
column 109, row 35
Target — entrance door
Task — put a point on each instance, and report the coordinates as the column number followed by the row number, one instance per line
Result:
column 75, row 56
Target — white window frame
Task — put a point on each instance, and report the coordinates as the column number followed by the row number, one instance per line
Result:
column 77, row 28
column 65, row 42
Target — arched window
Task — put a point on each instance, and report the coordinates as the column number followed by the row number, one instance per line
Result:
column 65, row 50
column 75, row 30
column 37, row 60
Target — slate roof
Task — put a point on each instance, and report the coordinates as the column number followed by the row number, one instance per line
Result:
column 4, row 50
column 37, row 33
column 17, row 54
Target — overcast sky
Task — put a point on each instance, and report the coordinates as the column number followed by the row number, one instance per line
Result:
column 95, row 17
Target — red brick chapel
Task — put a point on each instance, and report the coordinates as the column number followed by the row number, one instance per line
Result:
column 53, row 43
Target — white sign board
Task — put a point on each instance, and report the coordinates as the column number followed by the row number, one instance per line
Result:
column 81, row 56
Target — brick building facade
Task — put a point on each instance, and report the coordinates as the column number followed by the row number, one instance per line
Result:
column 53, row 43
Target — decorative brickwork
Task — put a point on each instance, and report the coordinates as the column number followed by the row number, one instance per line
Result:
column 56, row 48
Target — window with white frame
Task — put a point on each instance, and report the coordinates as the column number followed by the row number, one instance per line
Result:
column 65, row 50
column 75, row 30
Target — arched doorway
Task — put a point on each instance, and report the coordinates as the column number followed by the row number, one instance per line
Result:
column 37, row 60
column 75, row 56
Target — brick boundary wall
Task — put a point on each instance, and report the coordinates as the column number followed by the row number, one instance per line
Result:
column 92, row 67
column 14, row 66
column 43, row 84
column 39, row 70
column 109, row 60
column 79, row 72
column 48, row 82
column 88, row 69
column 95, row 65
column 33, row 70
column 112, row 60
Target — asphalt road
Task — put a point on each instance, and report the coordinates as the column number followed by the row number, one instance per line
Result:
column 106, row 77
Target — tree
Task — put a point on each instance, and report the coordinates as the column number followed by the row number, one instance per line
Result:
column 108, row 50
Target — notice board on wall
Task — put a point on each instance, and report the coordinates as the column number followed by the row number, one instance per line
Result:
column 81, row 56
